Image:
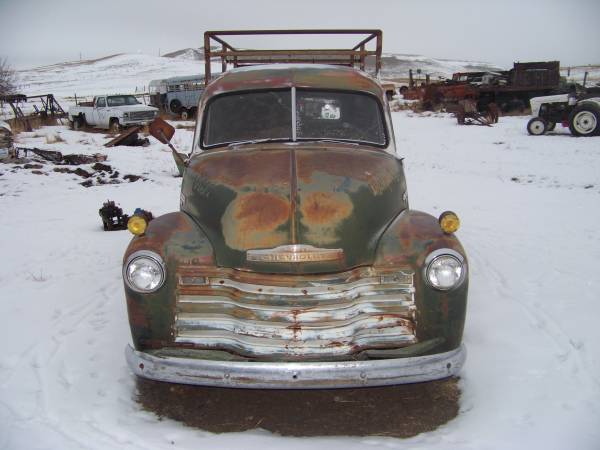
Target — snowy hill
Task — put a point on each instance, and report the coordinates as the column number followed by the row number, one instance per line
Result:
column 113, row 74
column 132, row 72
column 397, row 66
column 194, row 54
column 124, row 73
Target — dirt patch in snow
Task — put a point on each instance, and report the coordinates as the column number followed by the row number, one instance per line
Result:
column 398, row 411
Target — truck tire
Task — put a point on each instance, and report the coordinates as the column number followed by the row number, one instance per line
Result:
column 175, row 106
column 537, row 126
column 584, row 120
column 114, row 126
column 78, row 123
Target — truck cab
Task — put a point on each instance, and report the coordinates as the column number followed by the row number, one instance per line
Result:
column 112, row 112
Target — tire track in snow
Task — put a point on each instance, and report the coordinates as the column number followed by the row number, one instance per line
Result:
column 550, row 327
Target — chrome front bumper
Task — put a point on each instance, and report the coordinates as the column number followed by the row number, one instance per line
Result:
column 296, row 375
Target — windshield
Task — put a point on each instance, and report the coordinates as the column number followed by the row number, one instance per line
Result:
column 269, row 115
column 120, row 100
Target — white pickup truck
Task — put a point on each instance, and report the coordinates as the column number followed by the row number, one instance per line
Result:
column 112, row 112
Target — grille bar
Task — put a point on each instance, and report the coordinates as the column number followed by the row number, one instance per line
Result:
column 271, row 348
column 321, row 318
column 191, row 306
column 141, row 115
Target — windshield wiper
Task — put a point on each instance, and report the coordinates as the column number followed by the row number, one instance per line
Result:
column 336, row 141
column 257, row 141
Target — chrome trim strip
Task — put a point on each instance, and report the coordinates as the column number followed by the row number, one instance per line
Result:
column 189, row 306
column 333, row 291
column 253, row 347
column 296, row 375
column 294, row 113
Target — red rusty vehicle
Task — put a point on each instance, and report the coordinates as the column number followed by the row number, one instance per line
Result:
column 294, row 260
column 509, row 89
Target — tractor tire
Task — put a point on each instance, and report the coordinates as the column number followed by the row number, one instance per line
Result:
column 175, row 106
column 584, row 120
column 537, row 126
column 184, row 113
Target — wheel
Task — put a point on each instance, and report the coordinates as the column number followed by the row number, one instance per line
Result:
column 175, row 106
column 551, row 126
column 114, row 126
column 403, row 89
column 77, row 123
column 185, row 114
column 537, row 126
column 584, row 120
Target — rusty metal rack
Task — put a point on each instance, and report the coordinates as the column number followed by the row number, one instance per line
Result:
column 354, row 56
column 49, row 108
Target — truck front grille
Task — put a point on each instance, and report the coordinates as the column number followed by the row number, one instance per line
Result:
column 141, row 115
column 270, row 317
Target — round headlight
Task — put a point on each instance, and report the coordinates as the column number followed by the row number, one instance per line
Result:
column 445, row 269
column 144, row 271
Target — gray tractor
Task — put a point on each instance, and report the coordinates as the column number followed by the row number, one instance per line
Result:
column 580, row 113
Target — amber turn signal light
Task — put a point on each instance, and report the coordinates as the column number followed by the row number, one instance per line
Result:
column 137, row 225
column 449, row 222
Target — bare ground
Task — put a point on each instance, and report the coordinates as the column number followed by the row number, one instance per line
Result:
column 399, row 411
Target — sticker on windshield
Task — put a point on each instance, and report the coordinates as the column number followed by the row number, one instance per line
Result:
column 330, row 112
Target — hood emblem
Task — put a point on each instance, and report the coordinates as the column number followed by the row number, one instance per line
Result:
column 297, row 253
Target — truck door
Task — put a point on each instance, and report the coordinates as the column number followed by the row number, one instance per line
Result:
column 100, row 113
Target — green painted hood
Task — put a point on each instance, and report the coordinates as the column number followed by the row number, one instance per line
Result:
column 339, row 197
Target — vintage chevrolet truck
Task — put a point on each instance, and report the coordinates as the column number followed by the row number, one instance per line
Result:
column 112, row 112
column 295, row 260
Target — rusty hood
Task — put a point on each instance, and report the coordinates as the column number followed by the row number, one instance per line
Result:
column 261, row 198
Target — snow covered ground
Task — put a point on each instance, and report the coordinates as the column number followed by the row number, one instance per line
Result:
column 529, row 210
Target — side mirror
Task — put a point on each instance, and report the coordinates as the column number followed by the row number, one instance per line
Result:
column 161, row 130
column 164, row 132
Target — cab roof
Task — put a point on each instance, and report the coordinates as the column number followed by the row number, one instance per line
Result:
column 277, row 76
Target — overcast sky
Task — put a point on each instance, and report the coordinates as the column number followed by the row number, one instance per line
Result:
column 37, row 32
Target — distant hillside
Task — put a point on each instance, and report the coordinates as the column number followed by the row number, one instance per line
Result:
column 393, row 65
column 195, row 54
column 398, row 65
column 124, row 72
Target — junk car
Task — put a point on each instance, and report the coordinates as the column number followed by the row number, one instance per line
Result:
column 295, row 260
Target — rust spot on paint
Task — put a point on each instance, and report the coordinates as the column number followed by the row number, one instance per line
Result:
column 251, row 221
column 261, row 212
column 376, row 169
column 322, row 212
column 325, row 207
column 246, row 167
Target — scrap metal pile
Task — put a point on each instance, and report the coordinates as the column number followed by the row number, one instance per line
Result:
column 45, row 108
column 510, row 90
